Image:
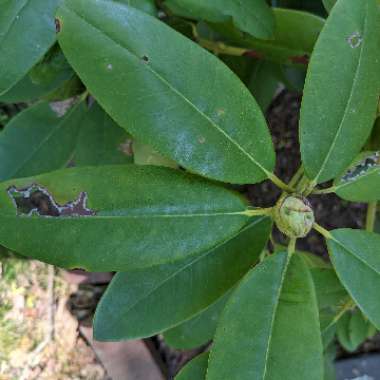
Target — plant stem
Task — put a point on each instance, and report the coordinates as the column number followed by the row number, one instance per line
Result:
column 221, row 48
column 279, row 183
column 259, row 211
column 292, row 246
column 297, row 176
column 329, row 190
column 347, row 306
column 322, row 231
column 371, row 216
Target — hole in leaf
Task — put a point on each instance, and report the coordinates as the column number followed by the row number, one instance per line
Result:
column 362, row 167
column 36, row 200
column 57, row 25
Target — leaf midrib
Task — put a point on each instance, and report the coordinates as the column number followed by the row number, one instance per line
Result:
column 345, row 112
column 172, row 88
column 135, row 216
column 278, row 296
column 352, row 253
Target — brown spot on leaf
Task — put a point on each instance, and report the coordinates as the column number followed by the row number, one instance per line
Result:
column 126, row 147
column 36, row 200
column 202, row 140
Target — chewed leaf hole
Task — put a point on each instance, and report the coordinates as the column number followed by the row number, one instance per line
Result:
column 371, row 161
column 57, row 25
column 355, row 40
column 36, row 200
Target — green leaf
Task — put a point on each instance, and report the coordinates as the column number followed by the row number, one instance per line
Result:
column 361, row 183
column 39, row 140
column 329, row 356
column 328, row 4
column 270, row 328
column 353, row 330
column 263, row 83
column 117, row 217
column 101, row 141
column 27, row 31
column 329, row 290
column 198, row 330
column 196, row 369
column 178, row 291
column 294, row 37
column 30, row 87
column 147, row 6
column 334, row 126
column 211, row 126
column 331, row 297
column 354, row 254
column 252, row 17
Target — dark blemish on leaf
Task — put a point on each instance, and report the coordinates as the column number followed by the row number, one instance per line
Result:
column 253, row 54
column 57, row 25
column 300, row 59
column 362, row 167
column 126, row 147
column 36, row 200
column 355, row 40
column 145, row 58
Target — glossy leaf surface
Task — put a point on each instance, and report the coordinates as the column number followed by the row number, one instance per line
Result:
column 39, row 140
column 124, row 60
column 250, row 16
column 361, row 183
column 277, row 336
column 101, row 141
column 180, row 290
column 117, row 217
column 27, row 31
column 355, row 255
column 340, row 98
